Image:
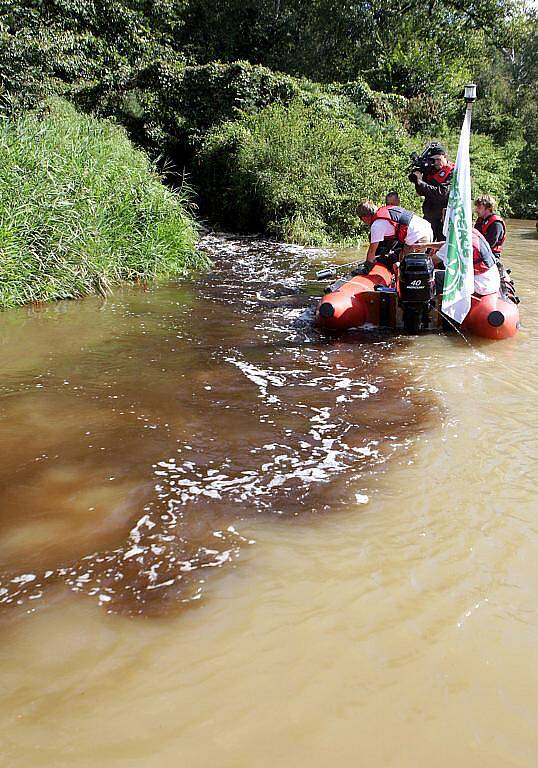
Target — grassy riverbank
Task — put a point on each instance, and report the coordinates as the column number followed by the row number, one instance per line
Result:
column 81, row 209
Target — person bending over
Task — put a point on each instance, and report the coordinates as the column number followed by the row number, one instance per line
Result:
column 393, row 223
column 386, row 246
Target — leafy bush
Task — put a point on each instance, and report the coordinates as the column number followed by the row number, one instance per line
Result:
column 492, row 166
column 50, row 48
column 298, row 173
column 524, row 192
column 168, row 107
column 382, row 106
column 423, row 113
column 216, row 92
column 81, row 209
column 166, row 104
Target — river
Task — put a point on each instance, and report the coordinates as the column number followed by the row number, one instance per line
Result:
column 229, row 540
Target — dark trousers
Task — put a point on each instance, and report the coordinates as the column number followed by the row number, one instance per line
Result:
column 437, row 226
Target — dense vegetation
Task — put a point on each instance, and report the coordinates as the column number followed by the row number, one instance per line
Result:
column 81, row 210
column 299, row 171
column 282, row 113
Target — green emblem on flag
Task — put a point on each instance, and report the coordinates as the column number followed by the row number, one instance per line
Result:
column 458, row 228
column 459, row 244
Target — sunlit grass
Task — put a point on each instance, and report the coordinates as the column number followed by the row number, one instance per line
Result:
column 81, row 209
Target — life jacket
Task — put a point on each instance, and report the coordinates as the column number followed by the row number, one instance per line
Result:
column 483, row 258
column 482, row 225
column 441, row 176
column 397, row 216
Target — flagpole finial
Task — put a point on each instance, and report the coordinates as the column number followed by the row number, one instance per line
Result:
column 470, row 93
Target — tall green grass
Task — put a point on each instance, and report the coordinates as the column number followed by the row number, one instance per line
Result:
column 81, row 209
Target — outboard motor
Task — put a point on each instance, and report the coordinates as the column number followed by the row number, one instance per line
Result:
column 416, row 290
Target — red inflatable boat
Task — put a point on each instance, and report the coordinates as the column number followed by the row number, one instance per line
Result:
column 409, row 300
column 492, row 317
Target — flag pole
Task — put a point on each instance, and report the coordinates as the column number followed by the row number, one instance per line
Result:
column 458, row 226
column 470, row 96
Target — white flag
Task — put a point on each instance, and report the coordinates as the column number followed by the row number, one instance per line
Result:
column 458, row 229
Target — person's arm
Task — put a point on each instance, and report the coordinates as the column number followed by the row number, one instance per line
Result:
column 439, row 257
column 436, row 194
column 415, row 177
column 370, row 255
column 494, row 233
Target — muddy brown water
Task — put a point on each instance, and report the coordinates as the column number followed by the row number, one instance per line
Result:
column 137, row 431
column 354, row 520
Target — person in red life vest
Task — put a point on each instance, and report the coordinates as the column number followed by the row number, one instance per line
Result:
column 386, row 246
column 486, row 274
column 494, row 230
column 489, row 224
column 394, row 224
column 434, row 187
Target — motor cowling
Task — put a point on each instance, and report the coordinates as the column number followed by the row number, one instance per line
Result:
column 416, row 283
column 416, row 290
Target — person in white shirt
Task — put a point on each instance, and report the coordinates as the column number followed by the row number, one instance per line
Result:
column 391, row 222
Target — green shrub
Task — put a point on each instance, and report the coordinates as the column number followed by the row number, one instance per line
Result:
column 382, row 106
column 423, row 113
column 81, row 209
column 524, row 190
column 168, row 107
column 216, row 92
column 297, row 172
column 492, row 166
column 52, row 47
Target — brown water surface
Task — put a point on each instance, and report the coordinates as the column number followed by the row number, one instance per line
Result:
column 137, row 432
column 376, row 494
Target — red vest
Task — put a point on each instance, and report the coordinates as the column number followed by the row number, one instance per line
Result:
column 483, row 257
column 441, row 176
column 482, row 225
column 398, row 217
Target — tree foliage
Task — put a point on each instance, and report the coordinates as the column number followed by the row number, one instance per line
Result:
column 171, row 71
column 48, row 47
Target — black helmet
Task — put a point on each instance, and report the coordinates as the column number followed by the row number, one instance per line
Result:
column 435, row 148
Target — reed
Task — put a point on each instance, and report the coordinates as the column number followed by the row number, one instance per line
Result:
column 81, row 209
